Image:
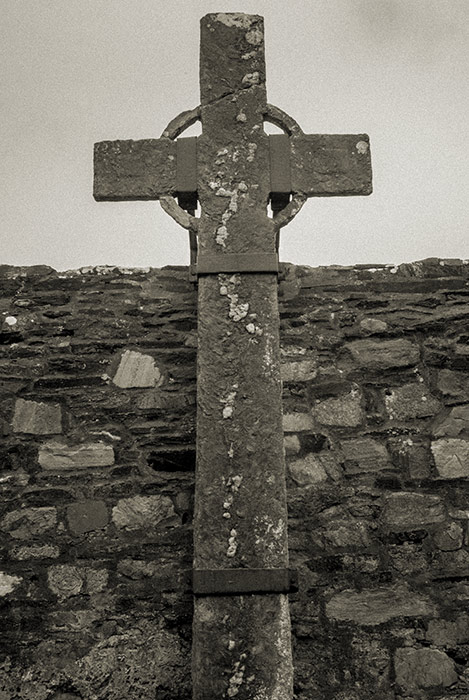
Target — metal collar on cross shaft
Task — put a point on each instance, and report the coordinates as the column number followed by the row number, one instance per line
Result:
column 284, row 202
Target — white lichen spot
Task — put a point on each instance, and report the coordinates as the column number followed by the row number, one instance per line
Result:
column 247, row 56
column 227, row 411
column 241, row 117
column 229, row 403
column 222, row 152
column 251, row 78
column 242, row 187
column 222, row 235
column 223, row 192
column 232, row 544
column 231, row 644
column 254, row 36
column 252, row 148
column 11, row 321
column 362, row 147
column 254, row 330
column 235, row 482
column 231, row 451
column 223, row 290
column 226, row 515
column 237, row 311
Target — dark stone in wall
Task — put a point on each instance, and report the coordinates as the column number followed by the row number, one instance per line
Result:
column 97, row 429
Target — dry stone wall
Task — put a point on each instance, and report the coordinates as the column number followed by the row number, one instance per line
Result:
column 97, row 418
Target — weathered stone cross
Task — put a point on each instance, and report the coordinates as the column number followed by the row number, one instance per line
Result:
column 241, row 627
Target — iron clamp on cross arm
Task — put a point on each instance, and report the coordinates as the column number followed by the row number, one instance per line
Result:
column 301, row 166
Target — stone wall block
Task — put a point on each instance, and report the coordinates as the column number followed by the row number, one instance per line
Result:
column 26, row 523
column 384, row 354
column 345, row 411
column 8, row 583
column 301, row 371
column 61, row 457
column 362, row 455
column 373, row 607
column 87, row 516
column 449, row 537
column 37, row 418
column 144, row 512
column 136, row 370
column 453, row 385
column 297, row 422
column 451, row 457
column 410, row 511
column 65, row 580
column 455, row 424
column 308, row 470
column 410, row 401
column 423, row 668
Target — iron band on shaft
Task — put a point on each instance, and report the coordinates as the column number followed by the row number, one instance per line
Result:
column 243, row 581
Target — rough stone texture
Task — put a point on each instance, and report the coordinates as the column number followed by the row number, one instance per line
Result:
column 297, row 422
column 29, row 522
column 56, row 456
column 298, row 371
column 364, row 455
column 95, row 643
column 423, row 668
column 37, row 418
column 87, row 516
column 412, row 510
column 455, row 424
column 451, row 457
column 308, row 470
column 343, row 411
column 410, row 401
column 143, row 512
column 8, row 583
column 136, row 370
column 384, row 354
column 241, row 645
column 377, row 606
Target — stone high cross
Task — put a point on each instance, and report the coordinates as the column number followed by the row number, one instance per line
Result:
column 241, row 623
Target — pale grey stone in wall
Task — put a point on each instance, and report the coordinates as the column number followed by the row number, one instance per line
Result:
column 372, row 607
column 451, row 457
column 142, row 512
column 136, row 370
column 406, row 510
column 344, row 411
column 57, row 456
column 37, row 418
column 308, row 470
column 28, row 522
column 297, row 422
column 384, row 354
column 423, row 668
column 8, row 583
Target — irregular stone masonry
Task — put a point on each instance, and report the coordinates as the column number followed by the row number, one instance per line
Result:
column 97, row 417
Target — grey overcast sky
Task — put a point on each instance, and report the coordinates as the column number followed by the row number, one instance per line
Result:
column 78, row 71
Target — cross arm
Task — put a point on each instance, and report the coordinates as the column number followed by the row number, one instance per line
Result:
column 134, row 170
column 331, row 165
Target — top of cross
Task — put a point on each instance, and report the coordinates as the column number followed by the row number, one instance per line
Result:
column 234, row 168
